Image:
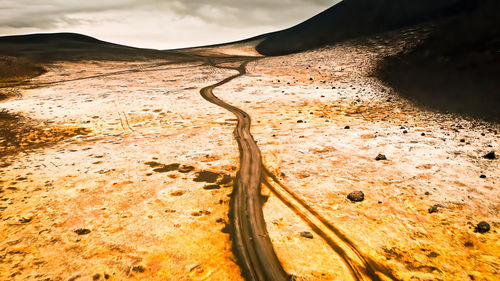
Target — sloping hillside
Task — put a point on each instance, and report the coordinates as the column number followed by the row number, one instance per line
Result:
column 456, row 68
column 354, row 18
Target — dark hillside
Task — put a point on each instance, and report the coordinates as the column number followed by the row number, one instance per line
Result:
column 354, row 18
column 73, row 47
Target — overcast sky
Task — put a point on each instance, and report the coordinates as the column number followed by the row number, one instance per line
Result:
column 162, row 24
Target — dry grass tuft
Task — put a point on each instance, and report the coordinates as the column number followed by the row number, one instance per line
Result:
column 18, row 133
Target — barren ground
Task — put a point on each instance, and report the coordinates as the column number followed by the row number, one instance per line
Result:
column 126, row 199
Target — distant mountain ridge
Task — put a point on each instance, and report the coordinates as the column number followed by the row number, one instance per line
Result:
column 47, row 47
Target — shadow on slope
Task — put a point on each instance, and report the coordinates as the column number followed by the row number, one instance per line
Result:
column 456, row 69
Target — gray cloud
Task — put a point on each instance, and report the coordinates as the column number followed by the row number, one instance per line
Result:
column 154, row 16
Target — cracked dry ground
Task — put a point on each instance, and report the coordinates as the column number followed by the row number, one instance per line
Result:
column 143, row 194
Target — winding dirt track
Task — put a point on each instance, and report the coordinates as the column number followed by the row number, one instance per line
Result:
column 251, row 241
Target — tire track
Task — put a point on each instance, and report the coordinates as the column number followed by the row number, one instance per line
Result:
column 360, row 266
column 251, row 242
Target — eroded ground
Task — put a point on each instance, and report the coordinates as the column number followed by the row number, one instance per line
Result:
column 143, row 194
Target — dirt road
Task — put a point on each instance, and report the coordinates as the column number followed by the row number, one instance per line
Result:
column 251, row 241
column 250, row 238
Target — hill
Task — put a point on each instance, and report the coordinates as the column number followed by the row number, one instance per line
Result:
column 355, row 18
column 73, row 47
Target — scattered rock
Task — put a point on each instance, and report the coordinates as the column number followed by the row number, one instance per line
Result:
column 380, row 157
column 307, row 234
column 25, row 219
column 82, row 231
column 300, row 121
column 139, row 268
column 356, row 196
column 490, row 155
column 347, row 127
column 74, row 278
column 434, row 208
column 177, row 193
column 405, row 132
column 196, row 214
column 482, row 176
column 433, row 255
column 482, row 227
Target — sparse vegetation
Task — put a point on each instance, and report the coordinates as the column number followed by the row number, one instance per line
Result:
column 14, row 70
column 18, row 133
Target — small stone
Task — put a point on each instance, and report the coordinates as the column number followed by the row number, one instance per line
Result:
column 82, row 231
column 482, row 176
column 405, row 132
column 177, row 193
column 433, row 255
column 433, row 209
column 25, row 219
column 300, row 121
column 196, row 214
column 347, row 127
column 96, row 276
column 469, row 244
column 356, row 196
column 490, row 155
column 423, row 134
column 482, row 227
column 307, row 234
column 138, row 268
column 380, row 157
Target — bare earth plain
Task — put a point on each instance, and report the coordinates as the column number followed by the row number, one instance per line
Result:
column 140, row 188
